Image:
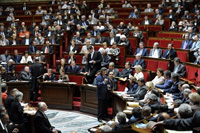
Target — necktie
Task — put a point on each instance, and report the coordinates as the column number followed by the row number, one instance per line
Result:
column 46, row 50
column 3, row 43
column 33, row 49
column 185, row 44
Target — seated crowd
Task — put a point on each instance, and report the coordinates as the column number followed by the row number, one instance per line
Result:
column 86, row 30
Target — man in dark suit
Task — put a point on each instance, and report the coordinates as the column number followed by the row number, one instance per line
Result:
column 174, row 88
column 47, row 48
column 168, row 81
column 27, row 40
column 95, row 31
column 186, row 44
column 6, row 125
column 77, row 38
column 93, row 63
column 36, row 71
column 33, row 48
column 139, row 61
column 48, row 32
column 147, row 21
column 73, row 68
column 84, row 24
column 41, row 122
column 169, row 53
column 113, row 85
column 140, row 92
column 10, row 65
column 171, row 16
column 141, row 50
column 100, row 39
column 16, row 57
column 80, row 30
column 111, row 68
column 179, row 68
column 112, row 38
column 9, row 100
column 127, row 70
column 49, row 76
column 102, row 82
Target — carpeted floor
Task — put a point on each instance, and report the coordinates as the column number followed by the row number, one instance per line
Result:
column 69, row 121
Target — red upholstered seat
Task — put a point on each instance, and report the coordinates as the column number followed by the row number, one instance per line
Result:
column 121, row 85
column 183, row 55
column 163, row 64
column 164, row 43
column 151, row 41
column 146, row 76
column 133, row 42
column 191, row 73
column 177, row 44
column 152, row 65
column 19, row 67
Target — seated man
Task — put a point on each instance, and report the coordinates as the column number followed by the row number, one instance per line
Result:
column 105, row 59
column 147, row 21
column 25, row 74
column 126, row 71
column 49, row 76
column 141, row 50
column 139, row 61
column 121, row 118
column 41, row 122
column 73, row 68
column 140, row 92
column 136, row 115
column 113, row 86
column 156, row 52
column 186, row 44
column 111, row 68
column 179, row 68
column 174, row 88
column 169, row 53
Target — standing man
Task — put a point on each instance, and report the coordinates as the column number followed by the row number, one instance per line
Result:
column 93, row 64
column 36, row 71
column 102, row 82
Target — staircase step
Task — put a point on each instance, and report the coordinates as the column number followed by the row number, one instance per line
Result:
column 76, row 105
column 77, row 99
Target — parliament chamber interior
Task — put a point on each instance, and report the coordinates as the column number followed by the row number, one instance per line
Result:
column 130, row 65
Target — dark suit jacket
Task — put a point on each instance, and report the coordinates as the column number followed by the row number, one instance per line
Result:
column 101, row 87
column 17, row 113
column 183, row 124
column 9, row 68
column 36, row 70
column 181, row 70
column 56, row 41
column 188, row 46
column 74, row 49
column 25, row 76
column 11, row 42
column 113, row 84
column 144, row 52
column 101, row 40
column 77, row 39
column 170, row 55
column 115, row 71
column 52, row 78
column 168, row 83
column 59, row 67
column 139, row 93
column 150, row 22
column 31, row 50
column 125, row 72
column 75, row 70
column 41, row 123
column 8, row 102
column 140, row 62
column 132, row 88
column 96, row 57
column 173, row 88
column 116, row 39
column 50, row 49
column 92, row 32
column 17, row 58
column 24, row 41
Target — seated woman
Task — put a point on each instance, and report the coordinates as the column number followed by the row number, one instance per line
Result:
column 13, row 76
column 49, row 76
column 114, row 51
column 73, row 47
column 159, row 79
column 138, row 72
column 121, row 118
column 136, row 115
column 62, row 65
column 105, row 47
column 71, row 57
column 14, row 40
column 26, row 58
column 39, row 39
column 63, row 77
column 159, row 20
column 100, row 27
column 132, row 85
column 149, row 87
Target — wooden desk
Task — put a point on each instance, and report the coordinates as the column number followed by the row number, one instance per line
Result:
column 58, row 95
column 24, row 87
column 89, row 101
